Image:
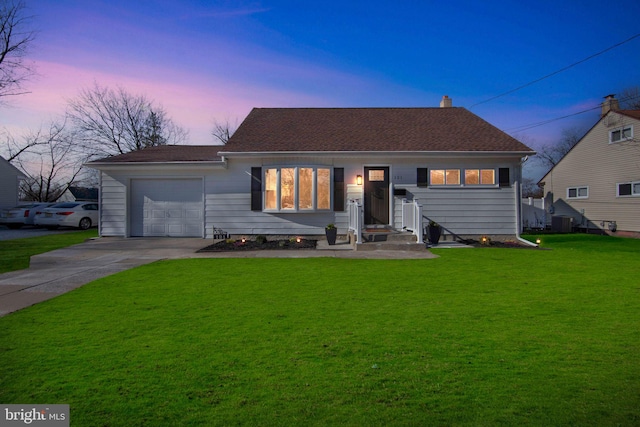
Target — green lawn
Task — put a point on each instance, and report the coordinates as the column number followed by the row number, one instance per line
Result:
column 476, row 337
column 15, row 254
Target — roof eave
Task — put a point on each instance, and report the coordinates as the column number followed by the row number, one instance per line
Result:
column 230, row 154
column 148, row 165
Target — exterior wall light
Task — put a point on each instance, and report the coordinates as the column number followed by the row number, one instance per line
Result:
column 359, row 179
column 298, row 239
column 244, row 240
column 538, row 241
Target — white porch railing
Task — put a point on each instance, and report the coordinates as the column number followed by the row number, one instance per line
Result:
column 356, row 219
column 412, row 218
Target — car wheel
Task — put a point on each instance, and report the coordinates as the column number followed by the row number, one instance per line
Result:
column 85, row 223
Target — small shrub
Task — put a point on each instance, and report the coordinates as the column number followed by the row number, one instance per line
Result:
column 261, row 239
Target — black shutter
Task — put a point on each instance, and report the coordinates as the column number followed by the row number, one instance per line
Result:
column 422, row 177
column 256, row 189
column 503, row 177
column 338, row 189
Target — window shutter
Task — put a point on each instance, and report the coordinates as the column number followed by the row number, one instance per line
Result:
column 422, row 177
column 503, row 177
column 256, row 189
column 338, row 189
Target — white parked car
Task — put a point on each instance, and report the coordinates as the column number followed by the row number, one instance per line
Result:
column 83, row 215
column 21, row 215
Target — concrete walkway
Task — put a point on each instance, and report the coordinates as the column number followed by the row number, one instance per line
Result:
column 60, row 271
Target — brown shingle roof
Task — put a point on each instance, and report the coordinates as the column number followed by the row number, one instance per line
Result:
column 368, row 129
column 343, row 129
column 168, row 153
column 631, row 113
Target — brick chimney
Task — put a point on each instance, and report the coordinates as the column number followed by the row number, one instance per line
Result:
column 610, row 103
column 446, row 102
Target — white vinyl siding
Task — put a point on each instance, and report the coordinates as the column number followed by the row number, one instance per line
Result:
column 228, row 206
column 113, row 206
column 466, row 212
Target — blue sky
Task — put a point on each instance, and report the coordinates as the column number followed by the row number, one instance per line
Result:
column 215, row 60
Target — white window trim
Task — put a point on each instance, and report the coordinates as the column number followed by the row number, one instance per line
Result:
column 578, row 188
column 632, row 183
column 621, row 129
column 314, row 196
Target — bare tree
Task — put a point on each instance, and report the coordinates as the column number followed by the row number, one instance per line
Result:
column 15, row 39
column 630, row 98
column 530, row 188
column 223, row 131
column 50, row 161
column 14, row 149
column 111, row 122
column 550, row 155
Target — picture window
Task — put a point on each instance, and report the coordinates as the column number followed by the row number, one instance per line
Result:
column 297, row 189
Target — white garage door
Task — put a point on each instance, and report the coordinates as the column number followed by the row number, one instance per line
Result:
column 167, row 207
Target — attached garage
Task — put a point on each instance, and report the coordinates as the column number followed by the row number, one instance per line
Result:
column 166, row 207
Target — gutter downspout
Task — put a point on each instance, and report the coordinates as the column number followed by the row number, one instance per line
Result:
column 518, row 198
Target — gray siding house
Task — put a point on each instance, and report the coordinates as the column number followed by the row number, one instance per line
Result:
column 597, row 184
column 10, row 177
column 292, row 171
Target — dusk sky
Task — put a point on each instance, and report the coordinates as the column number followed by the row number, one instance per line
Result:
column 215, row 60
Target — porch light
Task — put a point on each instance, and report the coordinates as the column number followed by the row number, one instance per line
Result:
column 243, row 240
column 298, row 239
column 359, row 179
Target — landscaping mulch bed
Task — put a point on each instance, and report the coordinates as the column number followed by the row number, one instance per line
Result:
column 492, row 244
column 252, row 245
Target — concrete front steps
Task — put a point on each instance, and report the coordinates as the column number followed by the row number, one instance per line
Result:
column 384, row 239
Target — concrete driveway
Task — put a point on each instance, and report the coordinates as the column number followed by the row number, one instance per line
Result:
column 60, row 271
column 30, row 231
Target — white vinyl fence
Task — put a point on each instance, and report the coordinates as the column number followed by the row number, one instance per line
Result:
column 534, row 215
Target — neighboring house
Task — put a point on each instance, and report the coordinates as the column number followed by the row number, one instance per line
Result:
column 597, row 183
column 10, row 177
column 79, row 194
column 292, row 171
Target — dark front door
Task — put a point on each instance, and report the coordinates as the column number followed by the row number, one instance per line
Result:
column 376, row 195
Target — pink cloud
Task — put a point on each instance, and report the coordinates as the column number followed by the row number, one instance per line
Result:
column 192, row 101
